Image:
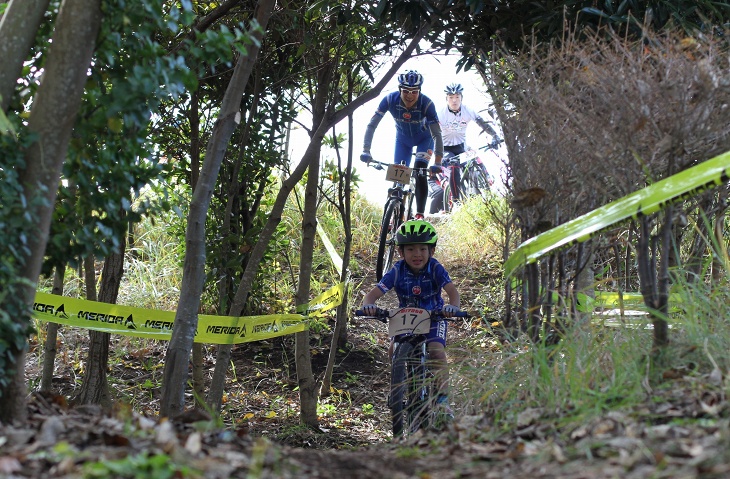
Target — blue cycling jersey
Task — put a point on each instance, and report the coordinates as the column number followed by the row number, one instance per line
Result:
column 409, row 122
column 416, row 127
column 422, row 290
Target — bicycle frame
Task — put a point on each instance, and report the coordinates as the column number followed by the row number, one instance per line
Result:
column 398, row 209
column 473, row 180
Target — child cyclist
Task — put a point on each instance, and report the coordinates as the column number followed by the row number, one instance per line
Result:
column 418, row 280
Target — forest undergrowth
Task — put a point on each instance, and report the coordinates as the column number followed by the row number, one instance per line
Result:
column 597, row 404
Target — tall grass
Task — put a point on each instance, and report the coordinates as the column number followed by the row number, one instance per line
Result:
column 472, row 233
column 153, row 266
column 596, row 368
column 591, row 371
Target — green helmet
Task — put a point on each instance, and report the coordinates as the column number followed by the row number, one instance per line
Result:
column 416, row 232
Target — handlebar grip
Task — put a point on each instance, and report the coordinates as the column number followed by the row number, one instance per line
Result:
column 381, row 315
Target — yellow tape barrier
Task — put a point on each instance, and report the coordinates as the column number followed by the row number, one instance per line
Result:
column 708, row 174
column 155, row 324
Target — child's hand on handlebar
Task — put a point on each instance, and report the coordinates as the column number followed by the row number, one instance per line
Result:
column 450, row 310
column 366, row 157
column 370, row 309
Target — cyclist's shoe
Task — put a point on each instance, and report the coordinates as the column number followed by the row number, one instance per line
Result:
column 419, row 216
column 444, row 414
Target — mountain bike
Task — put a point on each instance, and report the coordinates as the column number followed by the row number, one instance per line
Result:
column 411, row 382
column 398, row 209
column 474, row 180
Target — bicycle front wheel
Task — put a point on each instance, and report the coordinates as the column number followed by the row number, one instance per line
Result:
column 418, row 403
column 386, row 241
column 477, row 181
column 399, row 387
column 448, row 198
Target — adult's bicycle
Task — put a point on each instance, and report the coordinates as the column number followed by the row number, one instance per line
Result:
column 476, row 180
column 398, row 209
column 412, row 387
column 473, row 179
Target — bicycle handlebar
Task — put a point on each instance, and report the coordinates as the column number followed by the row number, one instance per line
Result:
column 493, row 145
column 382, row 315
column 379, row 165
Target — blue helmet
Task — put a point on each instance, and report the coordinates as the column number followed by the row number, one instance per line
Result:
column 410, row 79
column 454, row 89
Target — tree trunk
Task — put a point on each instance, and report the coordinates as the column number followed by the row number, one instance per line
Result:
column 179, row 349
column 18, row 26
column 302, row 353
column 651, row 290
column 585, row 281
column 720, row 253
column 661, row 326
column 339, row 335
column 698, row 249
column 52, row 118
column 194, row 116
column 534, row 320
column 94, row 385
column 50, row 347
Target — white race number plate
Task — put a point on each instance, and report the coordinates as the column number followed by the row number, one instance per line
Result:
column 409, row 321
column 398, row 173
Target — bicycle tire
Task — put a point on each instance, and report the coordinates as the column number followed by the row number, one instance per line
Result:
column 418, row 402
column 398, row 387
column 408, row 213
column 386, row 241
column 478, row 181
column 448, row 198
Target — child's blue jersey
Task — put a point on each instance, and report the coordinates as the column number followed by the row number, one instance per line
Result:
column 409, row 122
column 422, row 290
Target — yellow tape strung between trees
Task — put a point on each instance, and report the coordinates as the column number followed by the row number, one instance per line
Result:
column 155, row 324
column 334, row 256
column 713, row 172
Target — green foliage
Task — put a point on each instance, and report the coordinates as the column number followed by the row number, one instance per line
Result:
column 15, row 319
column 634, row 16
column 153, row 263
column 139, row 466
column 6, row 127
column 110, row 160
column 475, row 26
column 586, row 374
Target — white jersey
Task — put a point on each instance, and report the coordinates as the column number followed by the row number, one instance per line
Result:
column 453, row 125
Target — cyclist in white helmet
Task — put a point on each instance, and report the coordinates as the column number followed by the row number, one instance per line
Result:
column 454, row 118
column 417, row 126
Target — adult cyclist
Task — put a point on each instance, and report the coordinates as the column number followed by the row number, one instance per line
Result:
column 454, row 117
column 417, row 126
